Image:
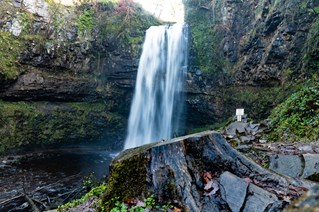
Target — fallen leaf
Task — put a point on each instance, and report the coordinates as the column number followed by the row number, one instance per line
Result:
column 207, row 176
column 177, row 209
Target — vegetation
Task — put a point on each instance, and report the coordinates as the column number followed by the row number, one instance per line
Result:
column 205, row 43
column 94, row 192
column 149, row 204
column 85, row 23
column 23, row 123
column 297, row 119
column 125, row 24
column 9, row 51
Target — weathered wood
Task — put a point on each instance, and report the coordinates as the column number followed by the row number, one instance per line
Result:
column 33, row 206
column 174, row 170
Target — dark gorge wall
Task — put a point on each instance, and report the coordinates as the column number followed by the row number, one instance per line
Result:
column 62, row 66
column 249, row 54
column 67, row 73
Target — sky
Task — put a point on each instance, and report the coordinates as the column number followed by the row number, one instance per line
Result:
column 166, row 10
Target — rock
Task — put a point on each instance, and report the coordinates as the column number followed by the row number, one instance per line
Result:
column 307, row 202
column 236, row 127
column 259, row 199
column 311, row 166
column 253, row 127
column 22, row 207
column 37, row 7
column 304, row 166
column 173, row 171
column 198, row 72
column 263, row 141
column 305, row 148
column 37, row 85
column 235, row 190
column 290, row 165
column 16, row 28
column 247, row 139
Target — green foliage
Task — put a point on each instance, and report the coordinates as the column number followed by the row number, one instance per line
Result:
column 85, row 23
column 95, row 192
column 125, row 24
column 26, row 19
column 297, row 119
column 9, row 52
column 89, row 181
column 150, row 204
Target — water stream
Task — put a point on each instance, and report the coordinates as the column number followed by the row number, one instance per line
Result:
column 158, row 100
column 52, row 176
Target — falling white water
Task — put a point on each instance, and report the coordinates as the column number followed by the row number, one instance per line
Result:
column 157, row 101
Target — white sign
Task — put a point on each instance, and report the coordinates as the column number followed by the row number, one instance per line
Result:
column 239, row 113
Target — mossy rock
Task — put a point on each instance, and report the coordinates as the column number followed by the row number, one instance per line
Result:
column 25, row 123
column 9, row 51
column 128, row 178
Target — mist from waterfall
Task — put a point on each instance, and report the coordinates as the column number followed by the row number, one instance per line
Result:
column 158, row 100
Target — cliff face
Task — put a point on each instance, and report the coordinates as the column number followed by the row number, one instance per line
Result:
column 249, row 54
column 56, row 60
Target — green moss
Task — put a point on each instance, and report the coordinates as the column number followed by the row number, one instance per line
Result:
column 127, row 180
column 23, row 123
column 85, row 23
column 206, row 35
column 9, row 52
column 297, row 119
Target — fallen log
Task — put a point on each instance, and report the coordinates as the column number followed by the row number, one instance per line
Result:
column 200, row 172
column 31, row 202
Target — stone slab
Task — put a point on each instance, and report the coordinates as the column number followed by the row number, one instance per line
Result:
column 235, row 190
column 290, row 165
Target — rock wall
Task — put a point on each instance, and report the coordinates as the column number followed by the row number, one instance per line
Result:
column 57, row 59
column 244, row 51
column 249, row 54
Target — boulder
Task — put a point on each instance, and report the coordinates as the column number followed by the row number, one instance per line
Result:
column 179, row 172
column 303, row 166
column 290, row 165
column 235, row 190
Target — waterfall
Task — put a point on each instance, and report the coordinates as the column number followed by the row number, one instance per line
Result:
column 157, row 101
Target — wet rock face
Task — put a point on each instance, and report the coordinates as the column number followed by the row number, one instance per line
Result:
column 199, row 172
column 303, row 166
column 260, row 40
column 251, row 44
column 40, row 86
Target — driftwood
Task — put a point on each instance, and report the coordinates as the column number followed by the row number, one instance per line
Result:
column 201, row 172
column 30, row 201
column 42, row 202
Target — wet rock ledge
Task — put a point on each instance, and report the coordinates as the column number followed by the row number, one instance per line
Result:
column 200, row 172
